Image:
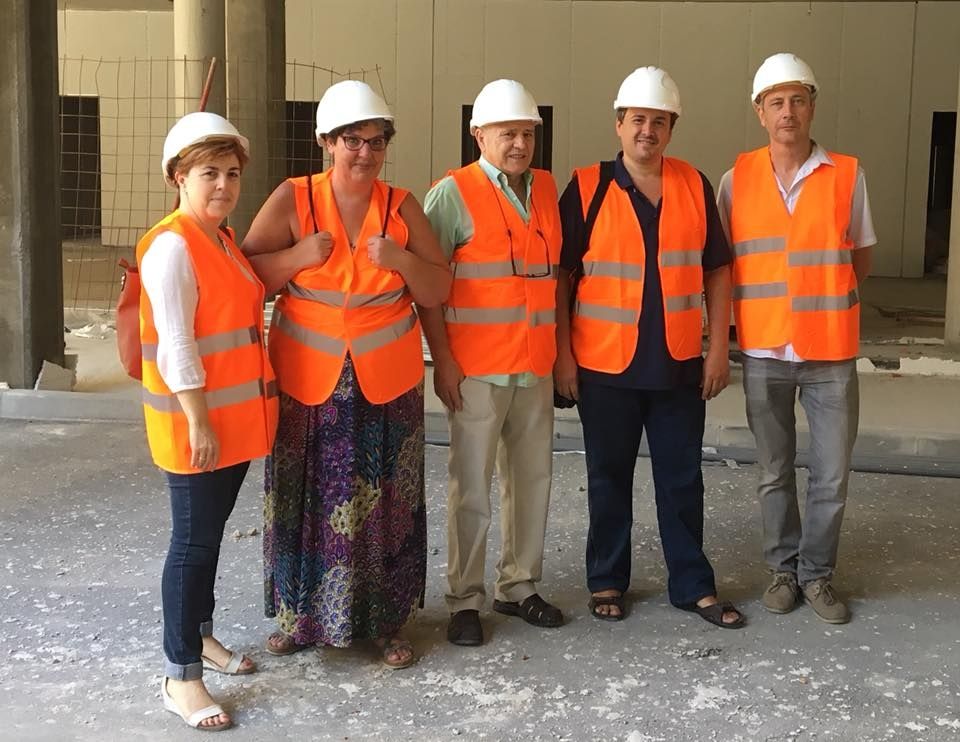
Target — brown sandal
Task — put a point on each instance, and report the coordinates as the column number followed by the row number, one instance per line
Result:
column 395, row 647
column 280, row 644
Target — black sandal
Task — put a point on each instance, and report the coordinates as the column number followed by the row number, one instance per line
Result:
column 616, row 601
column 534, row 610
column 714, row 614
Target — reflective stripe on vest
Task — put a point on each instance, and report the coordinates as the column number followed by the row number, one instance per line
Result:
column 484, row 315
column 474, row 316
column 335, row 346
column 606, row 312
column 820, row 257
column 825, row 303
column 501, row 312
column 681, row 257
column 764, row 244
column 213, row 343
column 683, row 303
column 217, row 398
column 306, row 336
column 611, row 269
column 338, row 298
column 501, row 269
column 384, row 336
column 760, row 290
column 543, row 317
column 793, row 277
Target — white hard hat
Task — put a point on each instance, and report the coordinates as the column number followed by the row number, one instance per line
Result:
column 782, row 69
column 348, row 102
column 649, row 87
column 194, row 128
column 504, row 100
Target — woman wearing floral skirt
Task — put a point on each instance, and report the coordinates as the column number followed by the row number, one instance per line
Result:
column 345, row 521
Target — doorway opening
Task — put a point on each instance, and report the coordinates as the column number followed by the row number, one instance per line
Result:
column 940, row 192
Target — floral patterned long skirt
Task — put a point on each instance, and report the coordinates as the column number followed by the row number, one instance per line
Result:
column 345, row 534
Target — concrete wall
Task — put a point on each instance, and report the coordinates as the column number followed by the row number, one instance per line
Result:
column 397, row 38
column 884, row 68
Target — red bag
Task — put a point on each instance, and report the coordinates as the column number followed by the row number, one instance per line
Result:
column 128, row 321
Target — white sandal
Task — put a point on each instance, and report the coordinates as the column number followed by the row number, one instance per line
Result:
column 196, row 717
column 231, row 668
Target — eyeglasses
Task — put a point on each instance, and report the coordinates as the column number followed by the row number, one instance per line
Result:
column 548, row 269
column 354, row 143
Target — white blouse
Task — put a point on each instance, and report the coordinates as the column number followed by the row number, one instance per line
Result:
column 167, row 275
column 168, row 278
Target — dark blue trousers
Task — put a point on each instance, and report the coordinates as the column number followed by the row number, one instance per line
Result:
column 613, row 422
column 200, row 505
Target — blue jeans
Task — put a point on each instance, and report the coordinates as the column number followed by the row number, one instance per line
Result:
column 613, row 421
column 200, row 505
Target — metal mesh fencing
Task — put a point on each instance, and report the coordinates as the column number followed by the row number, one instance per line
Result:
column 114, row 116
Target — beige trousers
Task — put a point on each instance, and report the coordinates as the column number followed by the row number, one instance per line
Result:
column 512, row 427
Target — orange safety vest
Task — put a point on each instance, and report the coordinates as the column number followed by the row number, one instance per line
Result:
column 793, row 279
column 606, row 312
column 501, row 312
column 240, row 388
column 346, row 305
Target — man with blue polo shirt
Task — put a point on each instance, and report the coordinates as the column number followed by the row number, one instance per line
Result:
column 642, row 241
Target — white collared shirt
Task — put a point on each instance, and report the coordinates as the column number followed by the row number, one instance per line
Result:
column 860, row 231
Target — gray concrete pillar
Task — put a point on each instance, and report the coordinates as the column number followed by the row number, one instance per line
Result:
column 199, row 33
column 256, row 81
column 31, row 270
column 951, row 332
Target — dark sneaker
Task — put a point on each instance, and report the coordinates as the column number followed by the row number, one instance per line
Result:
column 783, row 594
column 824, row 601
column 464, row 629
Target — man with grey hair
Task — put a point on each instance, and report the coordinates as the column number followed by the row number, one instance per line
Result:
column 493, row 346
column 799, row 222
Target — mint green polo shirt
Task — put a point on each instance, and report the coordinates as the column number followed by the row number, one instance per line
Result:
column 453, row 225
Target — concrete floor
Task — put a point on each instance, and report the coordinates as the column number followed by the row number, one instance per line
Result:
column 83, row 528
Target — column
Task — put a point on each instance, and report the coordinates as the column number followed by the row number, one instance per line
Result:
column 256, row 80
column 199, row 33
column 31, row 270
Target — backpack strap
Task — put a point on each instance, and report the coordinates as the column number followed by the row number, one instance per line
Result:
column 386, row 214
column 313, row 214
column 606, row 177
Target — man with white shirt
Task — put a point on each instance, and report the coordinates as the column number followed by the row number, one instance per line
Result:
column 799, row 221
